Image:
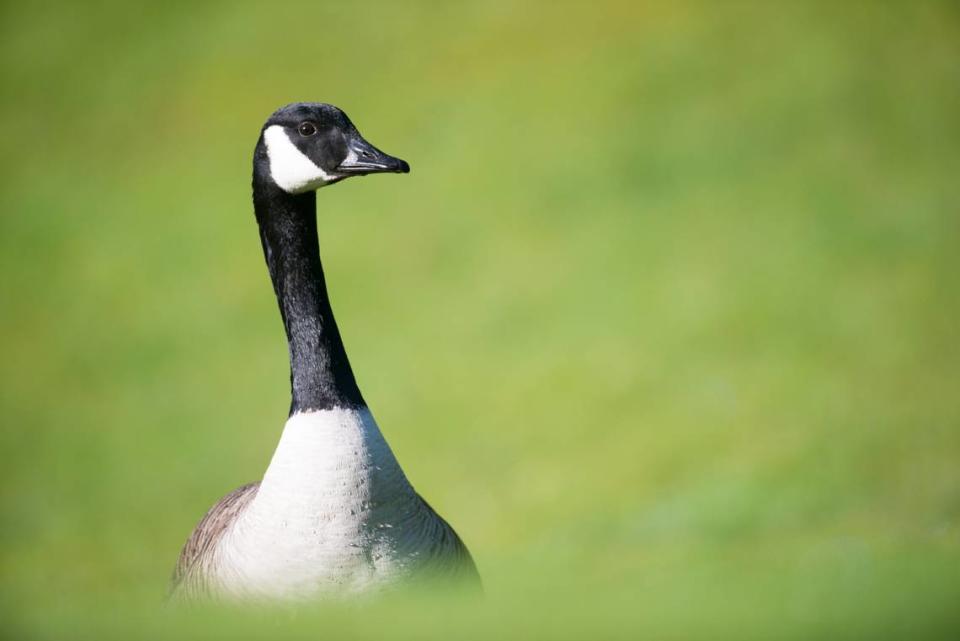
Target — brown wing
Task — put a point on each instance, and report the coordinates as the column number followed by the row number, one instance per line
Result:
column 451, row 554
column 197, row 549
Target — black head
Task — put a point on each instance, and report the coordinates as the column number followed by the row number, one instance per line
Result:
column 311, row 144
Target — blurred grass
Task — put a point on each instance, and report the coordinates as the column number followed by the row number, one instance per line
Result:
column 664, row 319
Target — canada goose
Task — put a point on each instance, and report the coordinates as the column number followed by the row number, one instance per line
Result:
column 334, row 512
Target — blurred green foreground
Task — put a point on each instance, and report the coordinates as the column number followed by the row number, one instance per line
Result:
column 664, row 320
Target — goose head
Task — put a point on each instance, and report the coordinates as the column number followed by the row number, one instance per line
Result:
column 309, row 145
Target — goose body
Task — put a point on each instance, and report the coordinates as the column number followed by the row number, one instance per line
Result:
column 334, row 512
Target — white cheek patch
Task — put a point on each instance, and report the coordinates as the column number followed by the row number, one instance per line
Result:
column 289, row 167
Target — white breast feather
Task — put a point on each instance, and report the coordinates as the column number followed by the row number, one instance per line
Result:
column 326, row 515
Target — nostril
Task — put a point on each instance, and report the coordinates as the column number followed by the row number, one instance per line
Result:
column 366, row 154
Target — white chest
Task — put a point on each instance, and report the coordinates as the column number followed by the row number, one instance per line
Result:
column 334, row 512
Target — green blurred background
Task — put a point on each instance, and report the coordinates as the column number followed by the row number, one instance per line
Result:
column 664, row 320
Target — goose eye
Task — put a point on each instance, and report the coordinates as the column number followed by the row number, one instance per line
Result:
column 307, row 129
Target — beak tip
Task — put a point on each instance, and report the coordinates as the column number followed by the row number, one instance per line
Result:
column 403, row 167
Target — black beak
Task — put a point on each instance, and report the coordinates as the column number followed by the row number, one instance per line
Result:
column 363, row 158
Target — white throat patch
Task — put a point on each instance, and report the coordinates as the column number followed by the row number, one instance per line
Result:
column 289, row 167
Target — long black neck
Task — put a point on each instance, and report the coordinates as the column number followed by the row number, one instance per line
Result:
column 320, row 374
